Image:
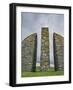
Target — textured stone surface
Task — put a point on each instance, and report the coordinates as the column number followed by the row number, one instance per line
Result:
column 28, row 52
column 58, row 43
column 44, row 62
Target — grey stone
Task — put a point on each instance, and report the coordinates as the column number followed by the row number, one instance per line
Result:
column 28, row 53
column 45, row 59
column 58, row 43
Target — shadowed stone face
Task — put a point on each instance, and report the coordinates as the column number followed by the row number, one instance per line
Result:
column 28, row 51
column 44, row 62
column 58, row 42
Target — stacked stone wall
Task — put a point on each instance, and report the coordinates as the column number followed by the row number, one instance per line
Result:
column 44, row 62
column 28, row 53
column 58, row 43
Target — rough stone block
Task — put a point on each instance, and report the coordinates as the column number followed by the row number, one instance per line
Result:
column 58, row 43
column 45, row 59
column 28, row 53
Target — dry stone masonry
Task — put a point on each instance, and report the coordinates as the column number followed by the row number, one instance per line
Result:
column 28, row 52
column 58, row 42
column 45, row 61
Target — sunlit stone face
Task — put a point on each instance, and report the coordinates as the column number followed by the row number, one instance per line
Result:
column 44, row 60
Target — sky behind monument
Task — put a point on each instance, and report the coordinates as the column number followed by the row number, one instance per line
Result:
column 33, row 23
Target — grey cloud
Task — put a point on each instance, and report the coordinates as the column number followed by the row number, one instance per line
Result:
column 32, row 22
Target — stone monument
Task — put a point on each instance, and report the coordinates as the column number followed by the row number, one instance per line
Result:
column 45, row 59
column 28, row 53
column 58, row 44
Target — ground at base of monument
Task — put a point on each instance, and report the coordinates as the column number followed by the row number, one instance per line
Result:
column 50, row 72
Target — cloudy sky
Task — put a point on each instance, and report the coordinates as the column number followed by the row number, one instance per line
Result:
column 33, row 22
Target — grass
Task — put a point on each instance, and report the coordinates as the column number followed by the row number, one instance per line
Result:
column 38, row 73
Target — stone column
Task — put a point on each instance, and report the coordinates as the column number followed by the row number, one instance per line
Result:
column 45, row 59
column 58, row 43
column 28, row 53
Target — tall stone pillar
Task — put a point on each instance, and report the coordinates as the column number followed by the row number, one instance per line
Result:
column 28, row 53
column 45, row 60
column 58, row 43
